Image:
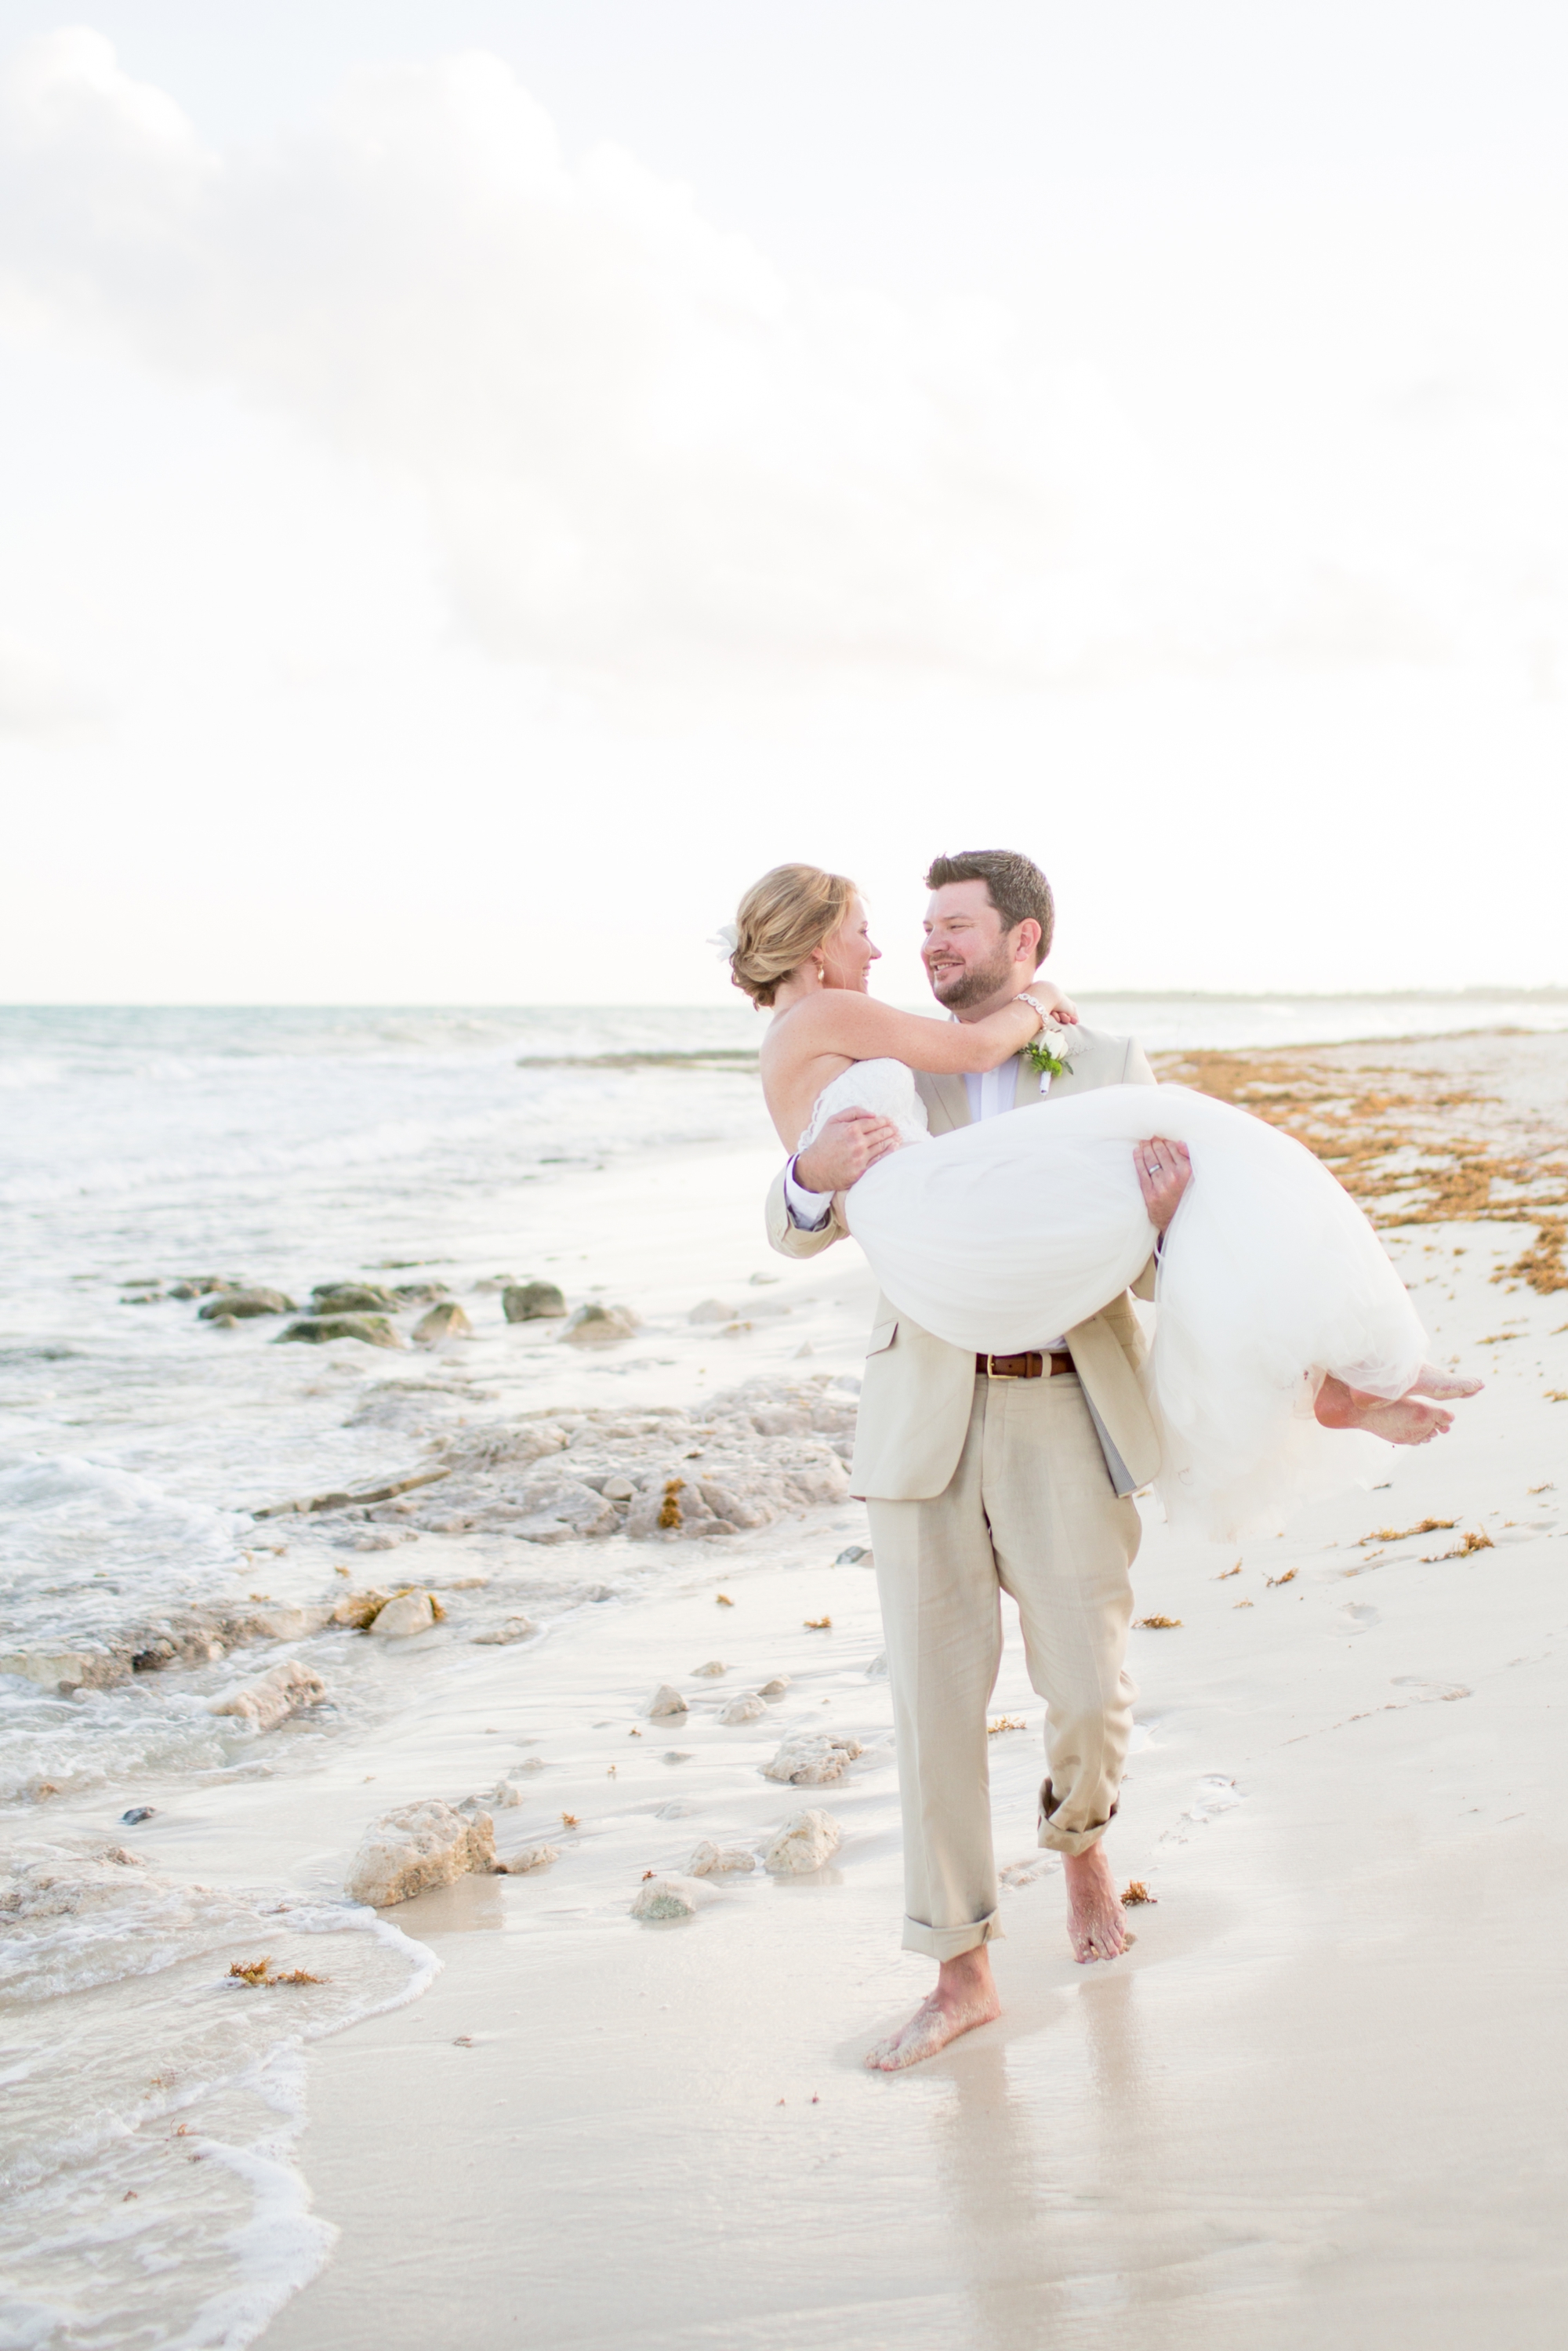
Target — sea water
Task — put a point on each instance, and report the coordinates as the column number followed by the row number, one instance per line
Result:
column 151, row 2103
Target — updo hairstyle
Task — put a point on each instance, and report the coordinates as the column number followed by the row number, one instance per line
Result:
column 781, row 921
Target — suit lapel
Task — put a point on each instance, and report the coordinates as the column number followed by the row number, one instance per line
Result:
column 1026, row 1084
column 947, row 1100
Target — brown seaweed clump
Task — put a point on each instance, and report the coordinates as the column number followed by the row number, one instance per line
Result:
column 1414, row 1145
column 256, row 1972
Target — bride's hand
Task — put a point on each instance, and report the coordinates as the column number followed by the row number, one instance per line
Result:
column 851, row 1142
column 1060, row 1008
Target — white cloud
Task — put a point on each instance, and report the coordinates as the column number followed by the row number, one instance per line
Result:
column 641, row 449
column 647, row 458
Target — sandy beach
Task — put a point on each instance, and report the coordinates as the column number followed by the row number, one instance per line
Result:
column 1316, row 2102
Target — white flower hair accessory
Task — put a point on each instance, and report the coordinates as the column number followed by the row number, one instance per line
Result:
column 727, row 938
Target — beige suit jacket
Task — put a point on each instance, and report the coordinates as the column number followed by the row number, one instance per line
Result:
column 917, row 1391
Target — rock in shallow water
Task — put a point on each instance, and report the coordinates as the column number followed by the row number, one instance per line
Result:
column 749, row 1709
column 531, row 1301
column 85, row 1666
column 418, row 1846
column 273, row 1697
column 666, row 1700
column 500, row 1636
column 599, row 1326
column 410, row 1612
column 353, row 1298
column 742, row 1459
column 810, row 1759
column 243, row 1304
column 712, row 1670
column 316, row 1330
column 558, row 1510
column 446, row 1321
column 804, row 1844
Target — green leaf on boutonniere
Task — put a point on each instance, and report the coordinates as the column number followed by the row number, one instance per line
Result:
column 1039, row 1056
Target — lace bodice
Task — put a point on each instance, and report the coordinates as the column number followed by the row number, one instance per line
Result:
column 885, row 1087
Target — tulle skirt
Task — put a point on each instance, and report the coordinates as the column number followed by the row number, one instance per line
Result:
column 1008, row 1232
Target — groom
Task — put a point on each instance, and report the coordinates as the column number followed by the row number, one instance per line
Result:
column 989, row 1473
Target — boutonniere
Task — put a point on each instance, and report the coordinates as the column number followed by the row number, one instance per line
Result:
column 1046, row 1053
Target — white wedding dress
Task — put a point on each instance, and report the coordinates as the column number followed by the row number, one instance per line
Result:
column 1011, row 1228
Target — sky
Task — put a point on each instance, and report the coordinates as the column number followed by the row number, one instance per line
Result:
column 484, row 480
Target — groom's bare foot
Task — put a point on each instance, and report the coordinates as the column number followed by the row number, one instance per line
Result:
column 1432, row 1381
column 1404, row 1422
column 1095, row 1925
column 964, row 1996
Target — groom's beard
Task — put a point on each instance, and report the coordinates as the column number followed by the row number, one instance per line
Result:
column 959, row 985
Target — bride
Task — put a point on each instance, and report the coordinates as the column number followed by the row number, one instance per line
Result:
column 1280, row 1323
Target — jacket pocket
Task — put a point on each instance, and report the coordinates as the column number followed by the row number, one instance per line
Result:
column 882, row 1337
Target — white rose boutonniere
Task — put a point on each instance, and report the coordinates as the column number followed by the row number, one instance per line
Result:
column 1047, row 1051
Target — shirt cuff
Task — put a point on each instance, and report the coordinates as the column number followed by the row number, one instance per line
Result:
column 808, row 1211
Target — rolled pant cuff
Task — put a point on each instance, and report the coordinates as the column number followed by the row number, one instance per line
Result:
column 1070, row 1841
column 1059, row 1838
column 950, row 1942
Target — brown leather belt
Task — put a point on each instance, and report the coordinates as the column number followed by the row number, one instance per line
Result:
column 1023, row 1367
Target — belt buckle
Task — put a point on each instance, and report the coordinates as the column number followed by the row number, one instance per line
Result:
column 992, row 1372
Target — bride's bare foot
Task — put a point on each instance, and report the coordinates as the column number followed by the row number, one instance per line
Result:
column 964, row 1996
column 1432, row 1381
column 1404, row 1422
column 1096, row 1926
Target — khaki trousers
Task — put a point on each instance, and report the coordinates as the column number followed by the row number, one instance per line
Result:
column 1030, row 1510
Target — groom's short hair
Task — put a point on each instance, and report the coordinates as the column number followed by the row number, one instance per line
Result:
column 1015, row 885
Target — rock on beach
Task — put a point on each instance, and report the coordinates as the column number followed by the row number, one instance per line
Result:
column 669, row 1897
column 417, row 1846
column 804, row 1844
column 811, row 1759
column 749, row 1709
column 712, row 1860
column 273, row 1697
column 666, row 1700
column 528, row 1856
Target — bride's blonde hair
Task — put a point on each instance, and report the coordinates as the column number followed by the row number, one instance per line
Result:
column 781, row 921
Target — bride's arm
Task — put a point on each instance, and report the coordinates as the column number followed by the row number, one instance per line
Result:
column 839, row 1022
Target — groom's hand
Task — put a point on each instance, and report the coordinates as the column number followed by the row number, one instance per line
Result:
column 1165, row 1171
column 851, row 1142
